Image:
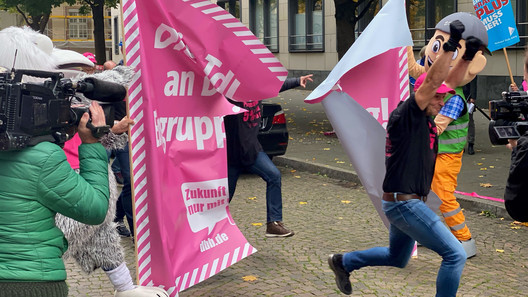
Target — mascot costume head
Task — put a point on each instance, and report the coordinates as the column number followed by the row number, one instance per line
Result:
column 473, row 27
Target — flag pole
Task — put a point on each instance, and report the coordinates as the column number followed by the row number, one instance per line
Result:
column 508, row 64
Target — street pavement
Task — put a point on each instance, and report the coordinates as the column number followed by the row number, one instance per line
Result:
column 330, row 212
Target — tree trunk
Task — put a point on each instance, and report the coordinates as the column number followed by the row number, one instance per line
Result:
column 345, row 25
column 99, row 36
column 43, row 22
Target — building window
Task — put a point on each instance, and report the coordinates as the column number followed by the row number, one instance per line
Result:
column 520, row 10
column 233, row 6
column 424, row 15
column 367, row 13
column 264, row 22
column 78, row 25
column 306, row 30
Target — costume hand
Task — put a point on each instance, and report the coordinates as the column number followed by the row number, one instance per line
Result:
column 98, row 120
column 122, row 126
column 457, row 28
column 473, row 45
column 514, row 87
column 305, row 79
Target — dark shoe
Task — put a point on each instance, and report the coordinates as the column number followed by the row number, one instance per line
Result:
column 470, row 150
column 277, row 229
column 342, row 277
column 122, row 230
column 119, row 178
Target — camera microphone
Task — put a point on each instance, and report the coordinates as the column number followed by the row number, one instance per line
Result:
column 100, row 90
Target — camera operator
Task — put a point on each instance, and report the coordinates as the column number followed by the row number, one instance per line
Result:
column 516, row 186
column 37, row 183
column 516, row 190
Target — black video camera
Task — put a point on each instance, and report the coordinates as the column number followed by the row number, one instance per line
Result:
column 509, row 117
column 31, row 113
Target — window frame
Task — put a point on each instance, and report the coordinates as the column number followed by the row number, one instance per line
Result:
column 309, row 22
column 266, row 23
column 430, row 20
column 232, row 7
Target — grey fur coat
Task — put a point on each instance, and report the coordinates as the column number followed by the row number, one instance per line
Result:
column 99, row 246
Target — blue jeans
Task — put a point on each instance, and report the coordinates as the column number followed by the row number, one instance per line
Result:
column 264, row 168
column 124, row 202
column 409, row 221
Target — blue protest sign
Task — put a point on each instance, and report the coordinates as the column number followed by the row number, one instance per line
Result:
column 497, row 16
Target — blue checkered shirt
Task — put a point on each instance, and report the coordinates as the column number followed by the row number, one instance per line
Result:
column 453, row 107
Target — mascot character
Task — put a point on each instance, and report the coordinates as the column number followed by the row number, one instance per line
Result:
column 452, row 121
column 96, row 246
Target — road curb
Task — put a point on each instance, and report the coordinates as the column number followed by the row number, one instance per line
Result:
column 491, row 208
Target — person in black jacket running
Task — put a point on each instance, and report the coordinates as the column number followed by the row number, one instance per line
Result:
column 244, row 153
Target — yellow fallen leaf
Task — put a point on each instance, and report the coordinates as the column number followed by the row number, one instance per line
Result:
column 297, row 176
column 252, row 198
column 249, row 278
column 479, row 164
column 520, row 223
column 491, row 166
column 303, row 203
column 345, row 201
column 256, row 224
column 499, row 251
column 326, row 149
column 340, row 162
column 484, row 168
column 486, row 185
column 293, row 170
column 335, row 159
column 481, row 175
column 516, row 227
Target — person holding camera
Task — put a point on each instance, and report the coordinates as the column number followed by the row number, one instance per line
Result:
column 37, row 183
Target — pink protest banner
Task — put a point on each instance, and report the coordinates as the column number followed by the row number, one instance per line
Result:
column 380, row 91
column 188, row 56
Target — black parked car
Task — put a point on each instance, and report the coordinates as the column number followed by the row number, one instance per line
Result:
column 273, row 134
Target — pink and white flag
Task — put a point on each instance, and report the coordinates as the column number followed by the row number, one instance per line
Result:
column 189, row 55
column 362, row 90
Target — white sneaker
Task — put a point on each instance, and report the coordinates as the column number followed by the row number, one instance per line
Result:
column 142, row 291
column 470, row 247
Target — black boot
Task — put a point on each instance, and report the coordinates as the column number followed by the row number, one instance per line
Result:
column 470, row 149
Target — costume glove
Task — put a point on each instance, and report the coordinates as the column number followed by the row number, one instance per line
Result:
column 473, row 45
column 457, row 28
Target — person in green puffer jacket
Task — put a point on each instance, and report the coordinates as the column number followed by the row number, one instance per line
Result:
column 36, row 183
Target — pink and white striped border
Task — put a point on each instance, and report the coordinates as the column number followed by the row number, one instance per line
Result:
column 403, row 68
column 199, row 274
column 227, row 20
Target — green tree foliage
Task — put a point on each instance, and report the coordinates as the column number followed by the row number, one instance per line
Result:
column 36, row 13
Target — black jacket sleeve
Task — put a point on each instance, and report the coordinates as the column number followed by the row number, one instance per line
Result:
column 290, row 83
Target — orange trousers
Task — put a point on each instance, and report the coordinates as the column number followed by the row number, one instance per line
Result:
column 444, row 184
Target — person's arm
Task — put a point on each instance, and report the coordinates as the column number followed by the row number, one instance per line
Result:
column 451, row 111
column 82, row 197
column 293, row 82
column 440, row 68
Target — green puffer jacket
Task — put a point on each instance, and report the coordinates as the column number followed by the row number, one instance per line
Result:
column 35, row 184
